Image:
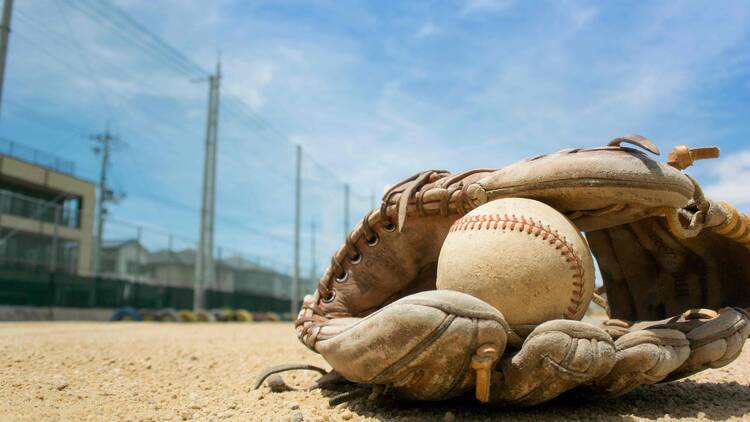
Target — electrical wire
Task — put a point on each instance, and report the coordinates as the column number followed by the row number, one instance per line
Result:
column 137, row 36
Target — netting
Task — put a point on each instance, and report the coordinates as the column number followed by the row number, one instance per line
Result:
column 66, row 80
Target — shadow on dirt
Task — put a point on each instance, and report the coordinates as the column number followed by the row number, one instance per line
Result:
column 683, row 399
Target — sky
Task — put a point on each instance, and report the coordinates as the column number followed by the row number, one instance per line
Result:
column 372, row 91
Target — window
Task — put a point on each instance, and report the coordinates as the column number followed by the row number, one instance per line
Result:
column 36, row 251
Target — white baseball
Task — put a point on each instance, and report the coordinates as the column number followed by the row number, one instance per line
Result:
column 522, row 257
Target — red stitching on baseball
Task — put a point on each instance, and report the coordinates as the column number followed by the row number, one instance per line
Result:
column 496, row 221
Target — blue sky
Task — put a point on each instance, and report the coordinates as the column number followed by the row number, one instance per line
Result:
column 374, row 92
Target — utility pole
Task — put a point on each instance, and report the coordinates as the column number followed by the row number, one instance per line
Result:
column 204, row 262
column 4, row 38
column 346, row 210
column 372, row 200
column 297, row 196
column 105, row 195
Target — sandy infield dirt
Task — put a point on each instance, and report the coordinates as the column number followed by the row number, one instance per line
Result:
column 176, row 372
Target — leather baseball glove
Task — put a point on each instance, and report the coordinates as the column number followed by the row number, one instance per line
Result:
column 675, row 266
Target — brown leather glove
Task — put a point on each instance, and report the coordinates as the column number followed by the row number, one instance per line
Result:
column 662, row 249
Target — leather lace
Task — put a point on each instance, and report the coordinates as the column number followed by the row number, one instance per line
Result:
column 411, row 188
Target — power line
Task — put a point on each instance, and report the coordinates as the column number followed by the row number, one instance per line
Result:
column 248, row 228
column 155, row 48
column 141, row 109
column 128, row 27
column 85, row 62
column 147, row 112
column 243, row 110
column 158, row 47
column 41, row 119
column 28, row 18
column 163, row 120
column 171, row 51
column 133, row 32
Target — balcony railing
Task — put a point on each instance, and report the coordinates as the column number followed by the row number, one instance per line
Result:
column 38, row 209
column 35, row 156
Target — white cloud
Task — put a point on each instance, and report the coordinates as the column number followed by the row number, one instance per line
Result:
column 731, row 175
column 486, row 6
column 426, row 30
column 250, row 79
column 582, row 17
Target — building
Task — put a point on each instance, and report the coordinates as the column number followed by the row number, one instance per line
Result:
column 128, row 259
column 46, row 213
column 233, row 274
column 124, row 259
column 177, row 268
column 46, row 223
column 174, row 268
column 252, row 278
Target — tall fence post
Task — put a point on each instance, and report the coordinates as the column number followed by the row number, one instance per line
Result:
column 217, row 271
column 139, row 246
column 346, row 209
column 294, row 297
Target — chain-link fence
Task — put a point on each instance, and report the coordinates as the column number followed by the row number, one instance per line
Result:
column 157, row 108
column 22, row 287
column 156, row 257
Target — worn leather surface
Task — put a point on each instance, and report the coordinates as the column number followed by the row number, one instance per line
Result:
column 557, row 356
column 651, row 274
column 369, row 320
column 581, row 180
column 421, row 345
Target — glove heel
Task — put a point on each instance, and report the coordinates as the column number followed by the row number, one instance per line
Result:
column 428, row 346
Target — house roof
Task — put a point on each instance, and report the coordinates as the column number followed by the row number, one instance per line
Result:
column 119, row 243
column 239, row 263
column 187, row 257
column 164, row 256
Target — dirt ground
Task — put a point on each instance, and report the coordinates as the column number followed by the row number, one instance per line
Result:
column 151, row 371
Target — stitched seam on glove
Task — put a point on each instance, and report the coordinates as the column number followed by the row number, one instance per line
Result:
column 532, row 228
column 450, row 196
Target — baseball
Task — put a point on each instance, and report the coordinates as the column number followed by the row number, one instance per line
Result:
column 522, row 257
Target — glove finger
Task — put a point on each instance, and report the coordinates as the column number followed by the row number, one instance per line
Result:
column 557, row 356
column 643, row 357
column 715, row 342
column 422, row 346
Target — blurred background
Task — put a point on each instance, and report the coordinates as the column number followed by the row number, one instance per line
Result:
column 152, row 150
